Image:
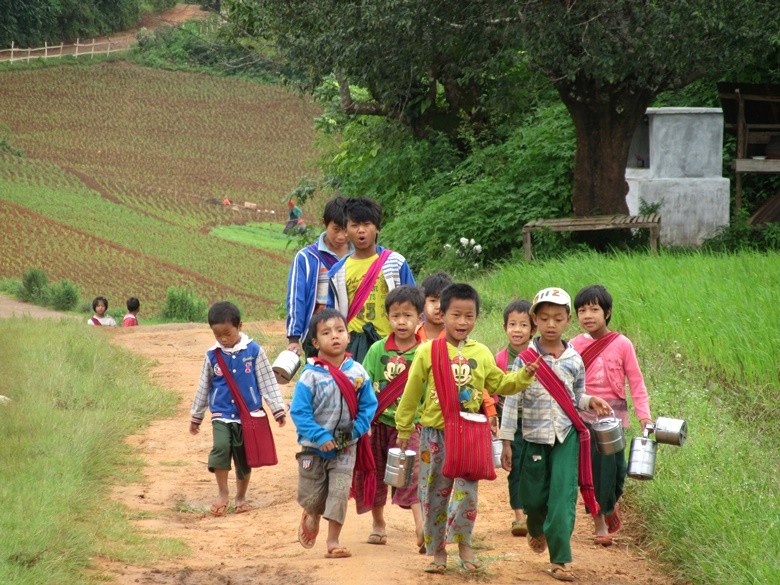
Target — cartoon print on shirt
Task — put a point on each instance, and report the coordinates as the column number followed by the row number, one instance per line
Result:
column 462, row 369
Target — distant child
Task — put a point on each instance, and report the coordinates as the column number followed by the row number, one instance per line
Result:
column 294, row 220
column 307, row 283
column 360, row 282
column 609, row 359
column 451, row 369
column 433, row 324
column 553, row 458
column 131, row 319
column 100, row 306
column 255, row 380
column 332, row 408
column 519, row 329
column 387, row 363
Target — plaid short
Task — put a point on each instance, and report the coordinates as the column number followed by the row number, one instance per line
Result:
column 228, row 445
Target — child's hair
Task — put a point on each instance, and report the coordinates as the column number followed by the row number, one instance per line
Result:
column 360, row 209
column 518, row 306
column 224, row 312
column 435, row 283
column 133, row 304
column 595, row 294
column 335, row 211
column 97, row 300
column 324, row 315
column 458, row 290
column 405, row 294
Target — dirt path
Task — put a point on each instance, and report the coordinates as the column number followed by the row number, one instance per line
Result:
column 176, row 491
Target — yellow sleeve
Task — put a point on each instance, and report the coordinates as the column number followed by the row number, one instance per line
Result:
column 410, row 400
column 505, row 384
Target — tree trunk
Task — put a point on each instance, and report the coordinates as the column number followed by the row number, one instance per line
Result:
column 604, row 128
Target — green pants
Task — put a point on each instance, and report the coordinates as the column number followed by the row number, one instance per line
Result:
column 548, row 489
column 515, row 501
column 609, row 476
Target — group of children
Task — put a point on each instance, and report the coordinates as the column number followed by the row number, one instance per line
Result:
column 102, row 319
column 393, row 365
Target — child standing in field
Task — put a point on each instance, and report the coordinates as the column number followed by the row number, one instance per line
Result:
column 610, row 360
column 307, row 283
column 255, row 380
column 360, row 282
column 554, row 457
column 519, row 329
column 452, row 369
column 100, row 318
column 332, row 408
column 131, row 318
column 387, row 363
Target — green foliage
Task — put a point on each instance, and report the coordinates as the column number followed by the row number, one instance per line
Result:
column 34, row 289
column 741, row 235
column 181, row 304
column 5, row 146
column 63, row 295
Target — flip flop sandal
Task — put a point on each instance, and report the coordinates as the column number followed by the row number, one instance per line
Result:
column 436, row 568
column 519, row 528
column 218, row 509
column 377, row 538
column 421, row 549
column 603, row 539
column 538, row 544
column 561, row 574
column 306, row 537
column 338, row 553
column 243, row 508
column 613, row 521
column 472, row 567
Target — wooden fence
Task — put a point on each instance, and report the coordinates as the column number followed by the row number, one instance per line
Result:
column 77, row 49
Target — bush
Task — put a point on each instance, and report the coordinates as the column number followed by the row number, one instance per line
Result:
column 34, row 287
column 63, row 295
column 741, row 235
column 181, row 304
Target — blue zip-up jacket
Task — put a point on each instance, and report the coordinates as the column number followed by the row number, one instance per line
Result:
column 320, row 413
column 302, row 285
column 395, row 270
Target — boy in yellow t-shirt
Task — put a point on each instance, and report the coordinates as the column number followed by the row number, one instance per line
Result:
column 360, row 299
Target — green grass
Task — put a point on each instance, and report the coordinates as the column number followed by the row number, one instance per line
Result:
column 266, row 236
column 706, row 332
column 75, row 397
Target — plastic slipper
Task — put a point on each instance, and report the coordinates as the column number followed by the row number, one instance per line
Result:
column 538, row 544
column 421, row 549
column 217, row 509
column 561, row 574
column 603, row 539
column 436, row 568
column 338, row 553
column 243, row 508
column 472, row 567
column 613, row 521
column 519, row 528
column 377, row 538
column 306, row 537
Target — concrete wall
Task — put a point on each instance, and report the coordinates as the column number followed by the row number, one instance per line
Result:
column 683, row 172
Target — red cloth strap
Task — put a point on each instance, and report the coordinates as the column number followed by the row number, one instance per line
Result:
column 502, row 359
column 367, row 285
column 364, row 461
column 443, row 380
column 594, row 350
column 390, row 393
column 95, row 321
column 552, row 383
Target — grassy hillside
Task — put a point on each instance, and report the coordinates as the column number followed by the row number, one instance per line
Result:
column 124, row 170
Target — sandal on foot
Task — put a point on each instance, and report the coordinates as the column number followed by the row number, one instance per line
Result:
column 306, row 537
column 243, row 508
column 436, row 568
column 560, row 573
column 538, row 544
column 421, row 549
column 339, row 552
column 217, row 509
column 471, row 567
column 613, row 521
column 519, row 528
column 603, row 539
column 377, row 538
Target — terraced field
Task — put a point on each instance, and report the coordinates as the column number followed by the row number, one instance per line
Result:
column 123, row 174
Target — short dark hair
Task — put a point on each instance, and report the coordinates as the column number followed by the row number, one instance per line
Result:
column 335, row 211
column 360, row 209
column 224, row 312
column 405, row 294
column 595, row 294
column 460, row 291
column 97, row 300
column 435, row 283
column 133, row 304
column 518, row 306
column 324, row 315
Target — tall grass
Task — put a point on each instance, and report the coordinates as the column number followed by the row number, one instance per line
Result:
column 74, row 398
column 707, row 333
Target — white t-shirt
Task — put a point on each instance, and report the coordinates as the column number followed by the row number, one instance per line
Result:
column 105, row 321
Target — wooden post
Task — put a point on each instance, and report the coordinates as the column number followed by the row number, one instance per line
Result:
column 61, row 45
column 28, row 54
column 77, row 48
column 92, row 52
column 12, row 51
column 527, row 245
column 742, row 139
column 46, row 49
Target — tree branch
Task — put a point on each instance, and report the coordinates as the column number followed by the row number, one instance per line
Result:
column 350, row 106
